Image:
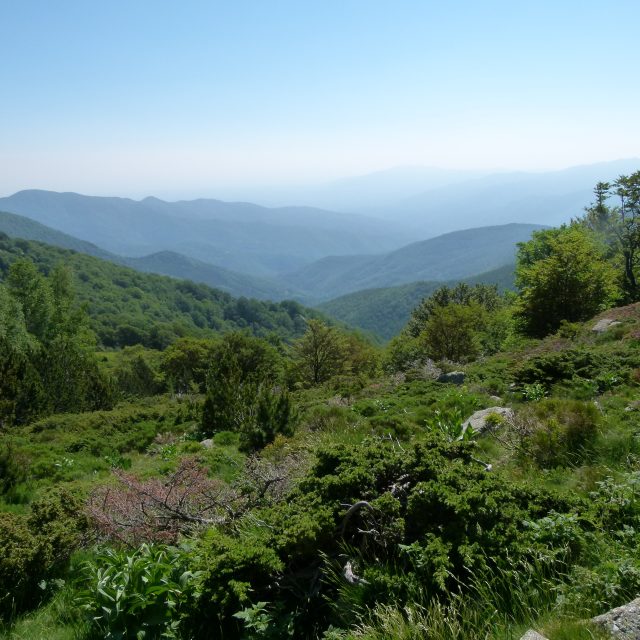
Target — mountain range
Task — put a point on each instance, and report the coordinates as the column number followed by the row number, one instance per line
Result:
column 458, row 255
column 239, row 236
column 402, row 226
column 384, row 312
column 166, row 263
column 430, row 201
column 452, row 256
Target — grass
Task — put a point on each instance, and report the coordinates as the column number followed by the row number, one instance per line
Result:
column 56, row 620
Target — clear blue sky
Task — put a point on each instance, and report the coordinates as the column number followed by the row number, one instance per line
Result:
column 146, row 96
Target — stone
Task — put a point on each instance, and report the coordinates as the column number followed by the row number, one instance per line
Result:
column 495, row 398
column 623, row 623
column 478, row 421
column 454, row 377
column 207, row 444
column 604, row 325
column 532, row 635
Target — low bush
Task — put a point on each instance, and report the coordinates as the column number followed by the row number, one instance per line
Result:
column 36, row 548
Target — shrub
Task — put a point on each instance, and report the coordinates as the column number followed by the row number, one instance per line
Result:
column 37, row 547
column 234, row 573
column 565, row 433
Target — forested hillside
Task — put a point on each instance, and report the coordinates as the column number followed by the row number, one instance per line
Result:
column 165, row 262
column 384, row 312
column 126, row 307
column 476, row 477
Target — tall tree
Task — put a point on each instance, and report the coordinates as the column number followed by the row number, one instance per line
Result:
column 619, row 226
column 30, row 288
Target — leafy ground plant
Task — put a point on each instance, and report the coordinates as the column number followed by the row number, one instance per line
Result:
column 138, row 594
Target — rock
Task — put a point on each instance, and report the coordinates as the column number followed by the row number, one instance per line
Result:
column 622, row 623
column 604, row 325
column 532, row 635
column 454, row 377
column 495, row 398
column 478, row 421
column 207, row 444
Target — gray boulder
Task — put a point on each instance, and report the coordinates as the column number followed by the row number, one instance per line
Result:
column 478, row 421
column 622, row 623
column 604, row 325
column 207, row 444
column 532, row 635
column 454, row 377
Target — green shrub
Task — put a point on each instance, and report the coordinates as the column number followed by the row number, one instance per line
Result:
column 235, row 572
column 37, row 547
column 566, row 432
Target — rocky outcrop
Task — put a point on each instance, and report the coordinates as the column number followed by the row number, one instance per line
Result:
column 478, row 421
column 454, row 377
column 604, row 325
column 532, row 635
column 623, row 623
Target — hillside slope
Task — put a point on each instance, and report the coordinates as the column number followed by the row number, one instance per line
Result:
column 128, row 307
column 166, row 263
column 453, row 256
column 385, row 311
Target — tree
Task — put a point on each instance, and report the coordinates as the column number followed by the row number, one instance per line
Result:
column 619, row 227
column 29, row 287
column 485, row 295
column 320, row 354
column 243, row 394
column 451, row 332
column 562, row 274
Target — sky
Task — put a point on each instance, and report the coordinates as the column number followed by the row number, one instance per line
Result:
column 157, row 97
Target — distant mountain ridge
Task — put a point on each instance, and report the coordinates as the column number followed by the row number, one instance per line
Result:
column 238, row 236
column 166, row 263
column 549, row 198
column 452, row 256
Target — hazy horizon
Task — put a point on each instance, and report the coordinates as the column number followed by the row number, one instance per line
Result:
column 154, row 99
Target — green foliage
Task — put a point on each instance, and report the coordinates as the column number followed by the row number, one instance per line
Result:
column 456, row 324
column 234, row 573
column 48, row 363
column 36, row 547
column 243, row 394
column 451, row 333
column 565, row 433
column 186, row 362
column 562, row 275
column 319, row 354
column 483, row 295
column 139, row 594
column 619, row 228
column 274, row 415
column 126, row 307
column 137, row 372
column 602, row 371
